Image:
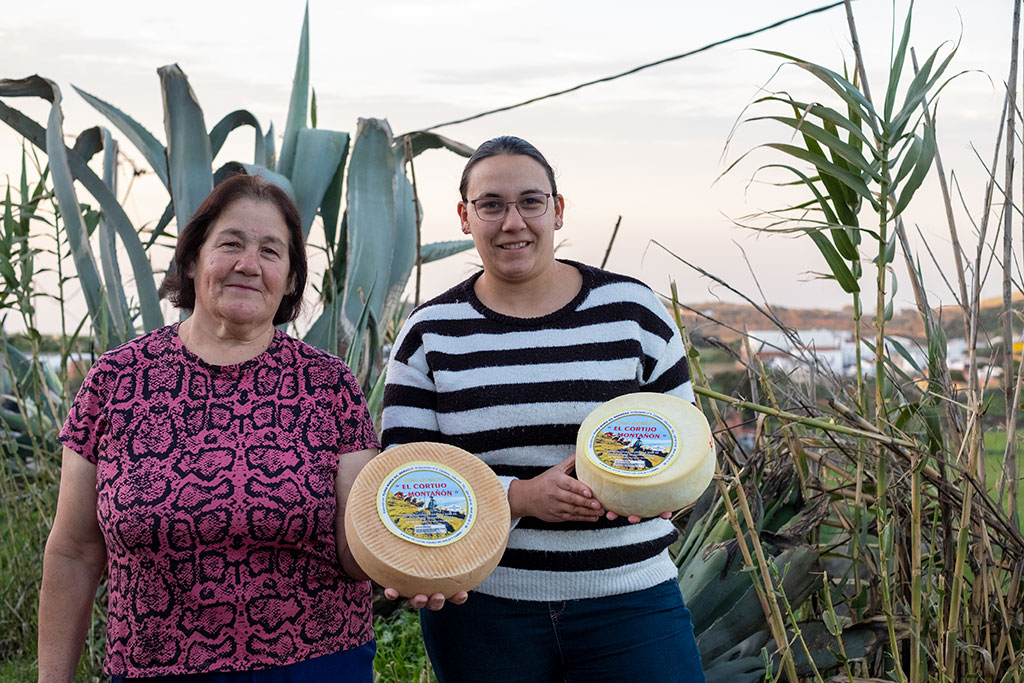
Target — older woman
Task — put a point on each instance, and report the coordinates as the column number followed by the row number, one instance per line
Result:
column 206, row 466
column 506, row 365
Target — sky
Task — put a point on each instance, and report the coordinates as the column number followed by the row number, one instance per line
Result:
column 651, row 147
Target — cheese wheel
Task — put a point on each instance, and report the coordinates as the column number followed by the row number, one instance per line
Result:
column 426, row 518
column 644, row 454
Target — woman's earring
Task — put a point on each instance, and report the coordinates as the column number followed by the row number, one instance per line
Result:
column 558, row 223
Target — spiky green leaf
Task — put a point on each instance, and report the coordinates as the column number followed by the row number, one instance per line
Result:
column 371, row 219
column 189, row 156
column 318, row 156
column 112, row 210
column 422, row 140
column 152, row 149
column 435, row 251
column 298, row 106
column 237, row 119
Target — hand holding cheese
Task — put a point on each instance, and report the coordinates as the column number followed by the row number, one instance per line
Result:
column 645, row 453
column 427, row 519
column 554, row 496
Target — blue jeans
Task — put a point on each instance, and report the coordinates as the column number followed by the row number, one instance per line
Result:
column 644, row 636
column 355, row 665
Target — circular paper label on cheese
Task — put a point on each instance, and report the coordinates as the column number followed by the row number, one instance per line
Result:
column 426, row 503
column 634, row 443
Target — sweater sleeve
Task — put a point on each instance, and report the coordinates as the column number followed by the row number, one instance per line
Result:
column 410, row 398
column 666, row 370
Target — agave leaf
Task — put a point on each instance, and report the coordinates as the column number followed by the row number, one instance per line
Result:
column 422, row 140
column 298, row 106
column 829, row 140
column 67, row 199
column 318, row 156
column 152, row 150
column 744, row 670
column 320, row 333
column 89, row 143
column 699, row 579
column 840, row 271
column 237, row 119
column 860, row 641
column 161, row 225
column 270, row 147
column 355, row 346
column 189, row 156
column 435, row 251
column 745, row 617
column 330, row 208
column 403, row 256
column 375, row 397
column 921, row 168
column 237, row 167
column 142, row 271
column 371, row 220
column 117, row 302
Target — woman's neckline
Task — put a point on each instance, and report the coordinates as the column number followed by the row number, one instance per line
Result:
column 585, row 272
column 226, row 367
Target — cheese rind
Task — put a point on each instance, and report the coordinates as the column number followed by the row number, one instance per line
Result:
column 406, row 564
column 645, row 453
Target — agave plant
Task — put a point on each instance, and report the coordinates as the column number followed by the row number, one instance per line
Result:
column 372, row 245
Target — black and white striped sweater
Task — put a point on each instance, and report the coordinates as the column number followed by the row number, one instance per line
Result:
column 514, row 392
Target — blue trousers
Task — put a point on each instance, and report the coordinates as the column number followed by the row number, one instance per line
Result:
column 646, row 636
column 355, row 665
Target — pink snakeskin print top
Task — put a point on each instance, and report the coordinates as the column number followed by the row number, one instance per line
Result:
column 217, row 503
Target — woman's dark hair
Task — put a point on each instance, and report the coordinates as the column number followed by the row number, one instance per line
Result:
column 180, row 288
column 508, row 145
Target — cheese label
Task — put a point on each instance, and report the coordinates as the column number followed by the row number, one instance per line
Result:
column 633, row 443
column 426, row 503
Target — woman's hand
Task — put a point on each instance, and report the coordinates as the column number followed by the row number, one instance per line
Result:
column 554, row 496
column 633, row 519
column 433, row 603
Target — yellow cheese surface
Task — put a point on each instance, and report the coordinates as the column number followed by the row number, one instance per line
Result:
column 402, row 551
column 644, row 454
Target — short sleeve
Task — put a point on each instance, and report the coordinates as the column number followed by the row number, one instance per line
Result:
column 355, row 425
column 87, row 421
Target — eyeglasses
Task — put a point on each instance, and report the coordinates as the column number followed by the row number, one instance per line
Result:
column 495, row 208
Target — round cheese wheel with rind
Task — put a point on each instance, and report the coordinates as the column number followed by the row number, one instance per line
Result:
column 645, row 453
column 426, row 518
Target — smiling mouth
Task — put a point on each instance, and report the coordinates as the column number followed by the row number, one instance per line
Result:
column 513, row 245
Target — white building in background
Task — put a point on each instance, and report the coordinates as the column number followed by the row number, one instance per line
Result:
column 832, row 351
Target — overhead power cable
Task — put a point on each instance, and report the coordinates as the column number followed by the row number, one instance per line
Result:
column 634, row 70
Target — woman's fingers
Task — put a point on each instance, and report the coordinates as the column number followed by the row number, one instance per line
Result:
column 633, row 519
column 433, row 602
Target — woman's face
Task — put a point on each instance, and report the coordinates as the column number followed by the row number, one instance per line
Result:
column 514, row 249
column 242, row 271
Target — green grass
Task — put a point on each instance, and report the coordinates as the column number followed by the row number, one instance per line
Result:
column 995, row 447
column 400, row 654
